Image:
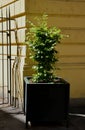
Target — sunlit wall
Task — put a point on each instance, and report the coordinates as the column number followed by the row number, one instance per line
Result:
column 69, row 15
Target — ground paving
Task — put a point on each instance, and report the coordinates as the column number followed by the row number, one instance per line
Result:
column 12, row 118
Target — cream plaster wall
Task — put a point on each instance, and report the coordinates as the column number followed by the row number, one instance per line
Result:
column 17, row 13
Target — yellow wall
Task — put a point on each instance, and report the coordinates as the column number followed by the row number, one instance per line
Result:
column 69, row 15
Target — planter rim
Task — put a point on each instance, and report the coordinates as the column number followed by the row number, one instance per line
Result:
column 62, row 81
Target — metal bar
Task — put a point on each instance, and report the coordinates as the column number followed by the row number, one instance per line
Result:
column 2, row 59
column 7, row 59
column 10, row 51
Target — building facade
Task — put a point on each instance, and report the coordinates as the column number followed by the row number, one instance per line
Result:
column 69, row 16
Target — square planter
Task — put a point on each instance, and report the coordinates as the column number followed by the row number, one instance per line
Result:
column 46, row 102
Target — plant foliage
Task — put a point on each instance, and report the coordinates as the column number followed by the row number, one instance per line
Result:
column 42, row 41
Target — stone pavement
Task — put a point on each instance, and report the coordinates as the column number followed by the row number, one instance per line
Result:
column 13, row 119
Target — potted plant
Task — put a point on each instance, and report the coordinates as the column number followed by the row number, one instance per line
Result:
column 46, row 96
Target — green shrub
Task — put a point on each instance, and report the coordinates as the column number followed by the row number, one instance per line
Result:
column 42, row 41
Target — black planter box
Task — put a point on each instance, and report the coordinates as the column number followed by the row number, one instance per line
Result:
column 44, row 102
